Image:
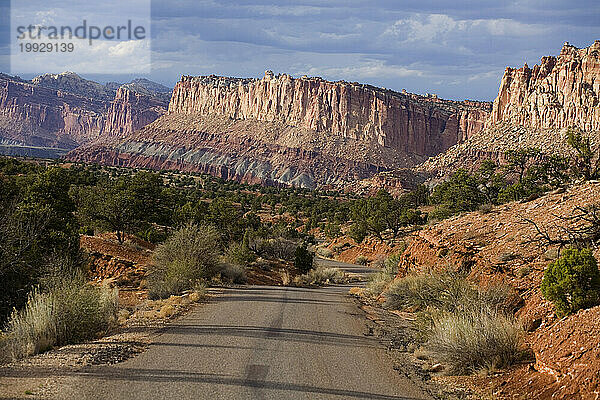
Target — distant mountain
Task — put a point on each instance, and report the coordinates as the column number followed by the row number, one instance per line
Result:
column 54, row 113
column 145, row 87
column 72, row 83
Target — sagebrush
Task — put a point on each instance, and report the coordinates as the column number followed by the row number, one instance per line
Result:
column 72, row 312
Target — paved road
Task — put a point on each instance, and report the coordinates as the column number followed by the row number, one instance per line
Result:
column 257, row 343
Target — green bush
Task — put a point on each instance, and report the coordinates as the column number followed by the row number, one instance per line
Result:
column 460, row 193
column 304, row 259
column 72, row 312
column 572, row 282
column 239, row 254
column 187, row 257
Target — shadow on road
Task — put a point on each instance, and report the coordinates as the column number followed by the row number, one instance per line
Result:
column 151, row 375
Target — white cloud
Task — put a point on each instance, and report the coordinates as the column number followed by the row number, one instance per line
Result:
column 442, row 28
column 368, row 69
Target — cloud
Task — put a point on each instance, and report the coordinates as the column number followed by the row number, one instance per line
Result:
column 457, row 49
column 368, row 69
column 443, row 28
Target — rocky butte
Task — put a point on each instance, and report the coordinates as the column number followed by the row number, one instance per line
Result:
column 282, row 130
column 63, row 111
column 534, row 107
column 560, row 92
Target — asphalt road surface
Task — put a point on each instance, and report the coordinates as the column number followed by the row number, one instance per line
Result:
column 258, row 342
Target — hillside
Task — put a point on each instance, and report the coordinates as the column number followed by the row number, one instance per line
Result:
column 497, row 247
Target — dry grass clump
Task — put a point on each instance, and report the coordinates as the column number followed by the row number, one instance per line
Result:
column 467, row 327
column 381, row 279
column 361, row 260
column 476, row 339
column 324, row 252
column 321, row 276
column 231, row 273
column 72, row 312
column 446, row 291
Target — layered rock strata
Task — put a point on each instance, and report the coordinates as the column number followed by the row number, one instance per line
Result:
column 39, row 115
column 279, row 130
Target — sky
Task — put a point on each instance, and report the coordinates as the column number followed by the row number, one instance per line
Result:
column 457, row 49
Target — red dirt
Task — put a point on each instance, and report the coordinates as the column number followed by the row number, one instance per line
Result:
column 347, row 250
column 124, row 263
column 493, row 247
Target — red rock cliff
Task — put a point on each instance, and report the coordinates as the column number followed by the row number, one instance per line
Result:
column 131, row 111
column 44, row 117
column 559, row 92
column 35, row 115
column 414, row 124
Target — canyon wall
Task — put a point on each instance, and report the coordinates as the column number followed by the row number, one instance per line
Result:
column 279, row 130
column 32, row 113
column 560, row 92
column 414, row 124
column 130, row 111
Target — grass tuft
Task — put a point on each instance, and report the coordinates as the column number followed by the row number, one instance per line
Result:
column 72, row 312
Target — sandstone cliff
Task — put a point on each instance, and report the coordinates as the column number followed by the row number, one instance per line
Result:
column 421, row 125
column 559, row 92
column 279, row 130
column 65, row 111
column 130, row 111
column 533, row 108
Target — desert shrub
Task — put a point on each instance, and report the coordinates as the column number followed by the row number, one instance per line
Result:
column 361, row 260
column 432, row 289
column 586, row 163
column 70, row 313
column 460, row 193
column 389, row 269
column 475, row 339
column 523, row 272
column 280, row 248
column 321, row 276
column 572, row 282
column 238, row 253
column 232, row 273
column 324, row 252
column 447, row 291
column 332, row 230
column 304, row 259
column 187, row 257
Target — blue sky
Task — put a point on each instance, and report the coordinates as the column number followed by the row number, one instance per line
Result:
column 457, row 49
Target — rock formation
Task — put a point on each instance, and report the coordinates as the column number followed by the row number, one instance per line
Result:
column 414, row 124
column 65, row 111
column 279, row 130
column 559, row 92
column 533, row 109
column 130, row 111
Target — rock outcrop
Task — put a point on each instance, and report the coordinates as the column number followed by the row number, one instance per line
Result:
column 64, row 111
column 279, row 130
column 40, row 116
column 130, row 111
column 534, row 108
column 560, row 92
